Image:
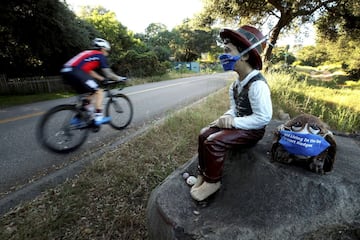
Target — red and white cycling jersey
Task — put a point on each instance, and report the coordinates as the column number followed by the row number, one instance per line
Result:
column 88, row 60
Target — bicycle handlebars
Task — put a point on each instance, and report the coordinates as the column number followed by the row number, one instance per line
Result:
column 106, row 83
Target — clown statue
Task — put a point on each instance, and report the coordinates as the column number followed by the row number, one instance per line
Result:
column 243, row 125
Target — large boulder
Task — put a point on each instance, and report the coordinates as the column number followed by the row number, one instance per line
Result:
column 260, row 199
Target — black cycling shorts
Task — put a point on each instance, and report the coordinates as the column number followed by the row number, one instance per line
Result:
column 79, row 80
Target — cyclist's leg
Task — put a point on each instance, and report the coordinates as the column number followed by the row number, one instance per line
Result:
column 99, row 116
column 84, row 83
column 99, row 95
column 81, row 82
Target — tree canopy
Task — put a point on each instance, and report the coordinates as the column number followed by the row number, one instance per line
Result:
column 277, row 15
column 38, row 36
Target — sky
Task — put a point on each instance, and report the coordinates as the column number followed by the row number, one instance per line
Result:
column 136, row 15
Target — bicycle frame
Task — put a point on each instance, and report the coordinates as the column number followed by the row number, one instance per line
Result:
column 108, row 94
column 68, row 131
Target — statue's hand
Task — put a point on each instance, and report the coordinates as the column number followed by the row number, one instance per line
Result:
column 225, row 121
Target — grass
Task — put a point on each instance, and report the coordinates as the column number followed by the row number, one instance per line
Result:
column 338, row 106
column 108, row 200
column 14, row 100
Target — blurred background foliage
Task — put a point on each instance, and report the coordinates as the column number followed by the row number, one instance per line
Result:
column 37, row 37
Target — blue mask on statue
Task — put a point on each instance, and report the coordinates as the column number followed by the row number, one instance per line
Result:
column 303, row 144
column 228, row 61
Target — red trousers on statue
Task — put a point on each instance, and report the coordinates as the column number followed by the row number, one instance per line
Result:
column 215, row 142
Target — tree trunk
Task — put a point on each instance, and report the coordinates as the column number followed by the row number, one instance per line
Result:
column 284, row 20
column 273, row 39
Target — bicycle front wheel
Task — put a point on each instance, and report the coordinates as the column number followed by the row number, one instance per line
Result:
column 62, row 129
column 120, row 109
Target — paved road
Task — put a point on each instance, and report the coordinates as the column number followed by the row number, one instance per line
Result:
column 22, row 160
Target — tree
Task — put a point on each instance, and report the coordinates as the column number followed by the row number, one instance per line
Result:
column 184, row 43
column 129, row 55
column 340, row 29
column 189, row 42
column 153, row 30
column 312, row 56
column 339, row 34
column 280, row 15
column 136, row 64
column 109, row 28
column 282, row 55
column 157, row 39
column 342, row 20
column 37, row 37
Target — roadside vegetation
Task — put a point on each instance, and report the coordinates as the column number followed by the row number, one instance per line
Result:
column 20, row 99
column 108, row 200
column 334, row 102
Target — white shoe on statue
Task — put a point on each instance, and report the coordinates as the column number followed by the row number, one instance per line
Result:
column 204, row 190
column 199, row 181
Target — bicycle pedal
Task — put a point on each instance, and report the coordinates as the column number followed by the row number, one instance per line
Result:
column 93, row 126
column 95, row 129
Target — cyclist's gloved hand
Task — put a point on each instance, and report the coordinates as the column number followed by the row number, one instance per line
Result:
column 122, row 79
column 105, row 81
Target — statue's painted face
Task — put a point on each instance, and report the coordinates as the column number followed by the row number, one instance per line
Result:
column 306, row 138
column 306, row 124
column 231, row 49
column 300, row 127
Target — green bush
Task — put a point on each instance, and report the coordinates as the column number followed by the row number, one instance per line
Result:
column 134, row 64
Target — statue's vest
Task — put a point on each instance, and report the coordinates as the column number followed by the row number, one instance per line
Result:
column 243, row 107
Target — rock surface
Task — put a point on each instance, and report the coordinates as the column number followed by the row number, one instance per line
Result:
column 263, row 200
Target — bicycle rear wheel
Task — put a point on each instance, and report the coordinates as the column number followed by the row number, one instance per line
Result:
column 62, row 129
column 120, row 109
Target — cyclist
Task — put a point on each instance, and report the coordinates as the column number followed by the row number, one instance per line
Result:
column 80, row 73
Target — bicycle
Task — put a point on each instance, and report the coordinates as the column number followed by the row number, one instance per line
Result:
column 64, row 128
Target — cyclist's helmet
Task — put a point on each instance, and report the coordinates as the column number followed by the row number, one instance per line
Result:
column 99, row 43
